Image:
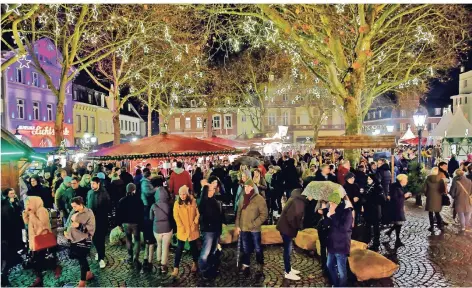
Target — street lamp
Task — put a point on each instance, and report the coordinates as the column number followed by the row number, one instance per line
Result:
column 419, row 118
column 134, row 139
column 18, row 135
column 93, row 139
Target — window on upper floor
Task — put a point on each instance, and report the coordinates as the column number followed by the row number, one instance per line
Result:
column 465, row 100
column 193, row 103
column 20, row 108
column 177, row 123
column 126, row 125
column 92, row 124
column 433, row 126
column 188, row 123
column 243, row 118
column 285, row 97
column 86, row 124
column 74, row 95
column 285, row 118
column 35, row 111
column 19, row 75
column 78, row 123
column 216, row 122
column 402, row 113
column 35, row 79
column 199, row 123
column 437, row 111
column 121, row 124
column 228, row 121
column 374, row 114
column 465, row 83
column 380, row 114
column 368, row 116
column 90, row 98
column 49, row 112
column 271, row 119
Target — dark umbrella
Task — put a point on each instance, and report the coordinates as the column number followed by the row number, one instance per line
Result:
column 253, row 153
column 247, row 160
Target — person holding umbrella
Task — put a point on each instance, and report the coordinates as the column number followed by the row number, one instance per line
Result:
column 252, row 212
column 288, row 225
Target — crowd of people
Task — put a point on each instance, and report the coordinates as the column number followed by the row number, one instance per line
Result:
column 189, row 201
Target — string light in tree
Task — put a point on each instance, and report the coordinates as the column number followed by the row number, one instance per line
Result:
column 22, row 38
column 423, row 36
column 146, row 49
column 271, row 32
column 249, row 26
column 43, row 19
column 15, row 10
column 339, row 8
column 167, row 36
column 55, row 6
column 94, row 12
column 70, row 17
column 178, row 58
column 137, row 76
column 24, row 63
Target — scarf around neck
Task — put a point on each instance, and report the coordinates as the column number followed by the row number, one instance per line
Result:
column 247, row 198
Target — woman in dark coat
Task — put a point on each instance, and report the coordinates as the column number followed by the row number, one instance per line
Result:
column 384, row 175
column 354, row 193
column 37, row 189
column 434, row 188
column 396, row 207
column 196, row 179
column 374, row 198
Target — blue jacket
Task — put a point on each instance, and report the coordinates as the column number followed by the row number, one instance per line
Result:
column 147, row 192
column 340, row 230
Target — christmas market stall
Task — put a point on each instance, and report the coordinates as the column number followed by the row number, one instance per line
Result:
column 159, row 150
column 457, row 138
column 16, row 158
column 228, row 142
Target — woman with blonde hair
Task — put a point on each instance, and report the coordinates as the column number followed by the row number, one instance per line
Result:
column 186, row 217
column 461, row 191
column 434, row 188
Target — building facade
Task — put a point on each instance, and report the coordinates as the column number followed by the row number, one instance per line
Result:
column 400, row 117
column 92, row 117
column 194, row 123
column 29, row 106
column 464, row 99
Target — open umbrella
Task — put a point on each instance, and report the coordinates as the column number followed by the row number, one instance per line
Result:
column 247, row 160
column 253, row 153
column 320, row 190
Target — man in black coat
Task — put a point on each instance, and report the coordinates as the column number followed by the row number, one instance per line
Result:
column 323, row 173
column 452, row 165
column 290, row 174
column 384, row 175
column 125, row 176
column 288, row 225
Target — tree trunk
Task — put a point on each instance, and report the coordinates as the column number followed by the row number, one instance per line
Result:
column 149, row 128
column 353, row 122
column 59, row 123
column 165, row 121
column 116, row 127
column 316, row 130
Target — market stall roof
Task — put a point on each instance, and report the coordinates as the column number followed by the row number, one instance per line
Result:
column 459, row 126
column 408, row 135
column 14, row 149
column 227, row 142
column 355, row 142
column 443, row 124
column 162, row 145
column 415, row 141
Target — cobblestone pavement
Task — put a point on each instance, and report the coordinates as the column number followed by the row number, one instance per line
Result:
column 430, row 260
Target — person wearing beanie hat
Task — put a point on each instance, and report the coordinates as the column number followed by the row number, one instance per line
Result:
column 249, row 218
column 129, row 219
column 62, row 198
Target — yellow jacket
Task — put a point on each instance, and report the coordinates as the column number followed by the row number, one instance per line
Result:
column 186, row 217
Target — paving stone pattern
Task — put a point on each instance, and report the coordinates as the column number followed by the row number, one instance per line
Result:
column 427, row 260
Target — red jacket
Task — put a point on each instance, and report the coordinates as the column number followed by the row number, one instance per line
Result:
column 342, row 171
column 179, row 178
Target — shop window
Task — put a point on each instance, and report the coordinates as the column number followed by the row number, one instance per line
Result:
column 20, row 108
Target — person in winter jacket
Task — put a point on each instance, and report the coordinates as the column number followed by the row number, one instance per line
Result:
column 354, row 193
column 126, row 177
column 38, row 221
column 161, row 216
column 98, row 200
column 374, row 199
column 434, row 188
column 339, row 220
column 245, row 175
column 323, row 173
column 147, row 196
column 63, row 197
column 452, row 165
column 187, row 218
column 277, row 183
column 343, row 169
column 211, row 225
column 288, row 225
column 37, row 189
column 396, row 209
column 252, row 213
column 361, row 176
column 260, row 182
column 76, row 190
column 384, row 175
column 80, row 230
column 290, row 176
column 117, row 189
column 197, row 177
column 461, row 191
column 130, row 217
column 179, row 178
